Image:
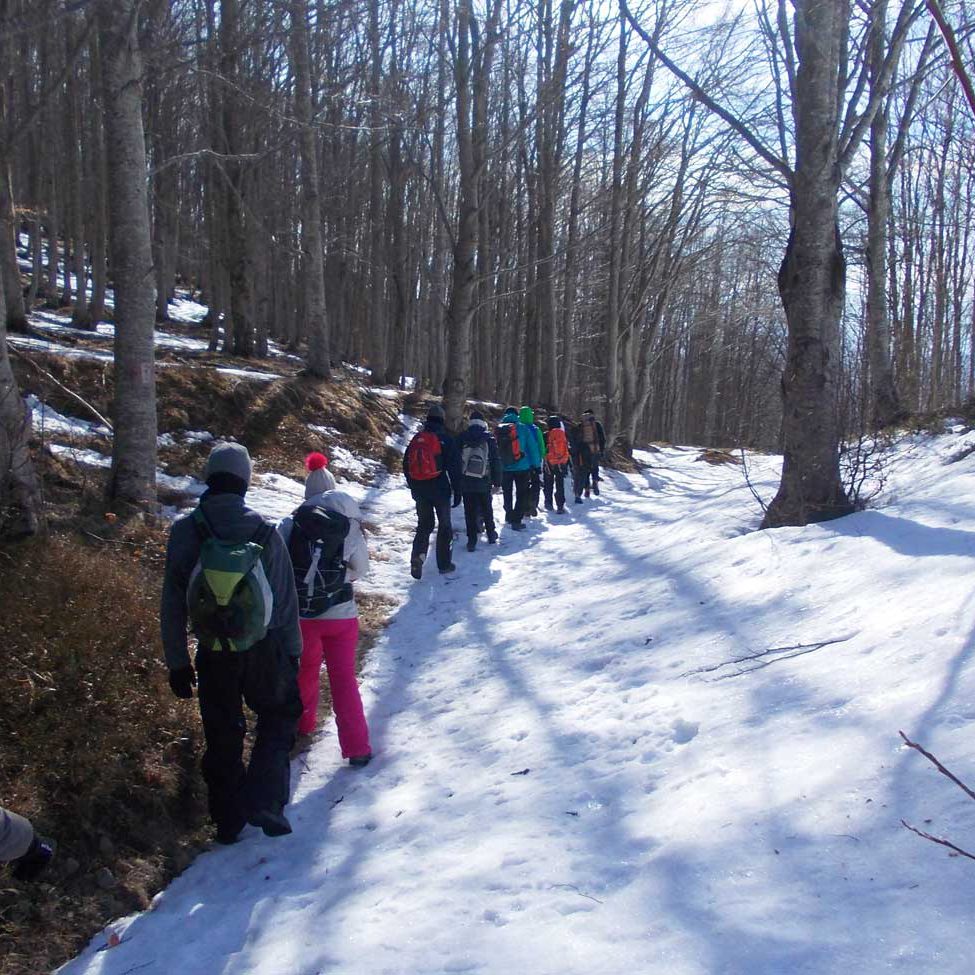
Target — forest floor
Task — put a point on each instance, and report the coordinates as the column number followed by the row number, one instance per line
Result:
column 640, row 737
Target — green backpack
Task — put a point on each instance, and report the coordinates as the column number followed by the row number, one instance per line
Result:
column 229, row 597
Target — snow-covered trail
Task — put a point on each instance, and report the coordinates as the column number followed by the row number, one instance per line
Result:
column 572, row 776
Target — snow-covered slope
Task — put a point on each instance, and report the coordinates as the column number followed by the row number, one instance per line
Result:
column 637, row 739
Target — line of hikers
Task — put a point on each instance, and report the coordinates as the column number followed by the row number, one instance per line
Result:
column 269, row 605
column 518, row 458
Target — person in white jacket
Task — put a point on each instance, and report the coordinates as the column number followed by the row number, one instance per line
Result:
column 330, row 633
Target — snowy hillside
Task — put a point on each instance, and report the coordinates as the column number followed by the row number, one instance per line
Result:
column 637, row 739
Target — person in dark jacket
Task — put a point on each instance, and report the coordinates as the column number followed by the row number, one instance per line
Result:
column 592, row 436
column 265, row 675
column 26, row 852
column 432, row 468
column 480, row 467
column 557, row 457
column 581, row 461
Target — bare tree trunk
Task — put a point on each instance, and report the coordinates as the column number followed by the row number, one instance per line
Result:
column 133, row 475
column 812, row 280
column 472, row 70
column 312, row 258
column 884, row 402
column 20, row 493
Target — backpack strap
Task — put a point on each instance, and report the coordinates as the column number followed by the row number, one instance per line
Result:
column 263, row 534
column 201, row 524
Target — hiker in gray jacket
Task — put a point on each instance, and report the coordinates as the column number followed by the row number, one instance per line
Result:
column 21, row 847
column 230, row 668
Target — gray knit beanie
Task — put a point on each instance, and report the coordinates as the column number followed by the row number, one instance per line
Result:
column 229, row 458
column 318, row 481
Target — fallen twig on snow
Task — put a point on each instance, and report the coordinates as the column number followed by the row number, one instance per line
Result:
column 951, row 775
column 751, row 658
column 938, row 840
column 954, row 778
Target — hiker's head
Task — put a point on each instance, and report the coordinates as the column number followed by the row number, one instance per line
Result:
column 554, row 423
column 436, row 413
column 526, row 414
column 477, row 420
column 588, row 413
column 228, row 469
column 319, row 476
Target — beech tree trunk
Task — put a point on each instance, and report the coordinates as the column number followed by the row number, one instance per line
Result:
column 812, row 280
column 133, row 476
column 312, row 258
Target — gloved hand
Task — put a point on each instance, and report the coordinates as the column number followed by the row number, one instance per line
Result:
column 457, row 500
column 182, row 681
column 35, row 860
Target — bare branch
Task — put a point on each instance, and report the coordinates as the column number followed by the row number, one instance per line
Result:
column 779, row 165
column 934, row 761
column 938, row 840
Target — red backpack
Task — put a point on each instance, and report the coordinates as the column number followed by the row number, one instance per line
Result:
column 424, row 457
column 557, row 452
column 509, row 446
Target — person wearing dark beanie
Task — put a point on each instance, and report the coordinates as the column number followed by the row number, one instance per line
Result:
column 432, row 468
column 263, row 673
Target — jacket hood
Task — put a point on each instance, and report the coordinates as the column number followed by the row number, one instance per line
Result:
column 526, row 415
column 510, row 416
column 554, row 423
column 338, row 501
column 434, row 423
column 478, row 425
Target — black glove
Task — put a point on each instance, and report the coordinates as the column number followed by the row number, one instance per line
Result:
column 182, row 681
column 457, row 500
column 32, row 863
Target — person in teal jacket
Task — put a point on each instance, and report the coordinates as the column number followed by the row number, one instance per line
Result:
column 526, row 416
column 517, row 470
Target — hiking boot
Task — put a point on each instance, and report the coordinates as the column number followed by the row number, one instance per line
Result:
column 595, row 490
column 227, row 835
column 471, row 546
column 534, row 512
column 416, row 566
column 560, row 510
column 360, row 761
column 586, row 492
column 34, row 862
column 271, row 823
column 578, row 500
column 448, row 569
column 492, row 539
column 518, row 526
column 548, row 505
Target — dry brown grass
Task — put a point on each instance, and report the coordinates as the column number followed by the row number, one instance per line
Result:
column 714, row 456
column 93, row 748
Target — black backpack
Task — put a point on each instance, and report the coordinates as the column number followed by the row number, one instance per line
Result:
column 316, row 547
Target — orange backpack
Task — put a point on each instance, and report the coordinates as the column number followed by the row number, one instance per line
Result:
column 557, row 447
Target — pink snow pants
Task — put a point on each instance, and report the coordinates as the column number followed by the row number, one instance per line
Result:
column 335, row 640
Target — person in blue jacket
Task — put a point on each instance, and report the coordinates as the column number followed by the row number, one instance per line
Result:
column 480, row 470
column 432, row 468
column 518, row 448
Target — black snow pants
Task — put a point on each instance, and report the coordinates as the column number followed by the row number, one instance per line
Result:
column 266, row 679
